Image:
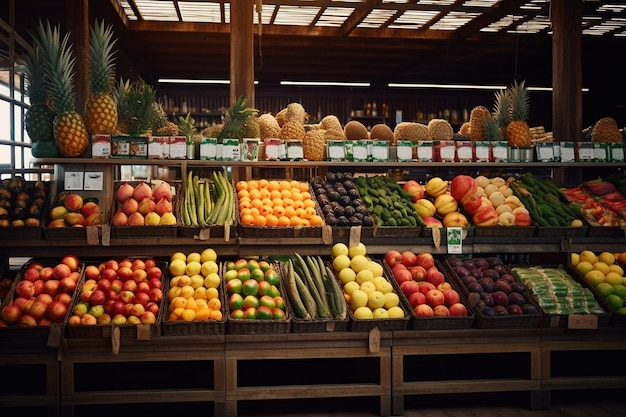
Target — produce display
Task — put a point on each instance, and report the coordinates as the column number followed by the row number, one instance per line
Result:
column 205, row 205
column 313, row 289
column 340, row 200
column 280, row 203
column 605, row 273
column 42, row 294
column 119, row 292
column 491, row 288
column 556, row 291
column 368, row 293
column 141, row 205
column 387, row 201
column 194, row 290
column 253, row 290
column 424, row 285
column 72, row 210
column 22, row 203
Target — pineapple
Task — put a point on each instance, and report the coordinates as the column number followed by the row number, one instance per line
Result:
column 517, row 131
column 269, row 127
column 70, row 132
column 314, row 143
column 39, row 117
column 606, row 130
column 502, row 110
column 477, row 119
column 292, row 130
column 100, row 109
column 296, row 112
column 137, row 110
column 187, row 127
column 240, row 121
column 491, row 129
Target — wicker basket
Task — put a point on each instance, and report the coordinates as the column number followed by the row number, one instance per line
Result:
column 43, row 335
column 498, row 322
column 130, row 232
column 243, row 326
column 399, row 231
column 28, row 232
column 433, row 323
column 127, row 331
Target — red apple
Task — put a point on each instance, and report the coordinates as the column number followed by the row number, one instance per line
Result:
column 71, row 261
column 56, row 311
column 153, row 307
column 393, row 257
column 118, row 307
column 403, row 275
column 451, row 297
column 61, row 271
column 487, row 216
column 435, row 298
column 418, row 272
column 44, row 321
column 522, row 219
column 63, row 297
column 142, row 286
column 11, row 313
column 155, row 283
column 46, row 273
column 457, row 309
column 129, row 286
column 89, row 285
column 398, row 267
column 142, row 298
column 461, row 186
column 415, row 189
column 104, row 284
column 425, row 286
column 425, row 260
column 26, row 320
column 104, row 319
column 39, row 285
column 73, row 202
column 52, row 287
column 409, row 287
column 37, row 309
column 67, row 285
column 47, row 298
column 127, row 296
column 430, row 221
column 416, row 299
column 150, row 262
column 112, row 264
column 441, row 311
column 117, row 285
column 97, row 297
column 126, row 262
column 140, row 275
column 154, row 272
column 408, row 258
column 434, row 276
column 75, row 276
column 108, row 304
column 112, row 295
column 156, row 295
column 423, row 310
column 138, row 264
column 25, row 289
column 125, row 273
column 109, row 274
column 92, row 272
column 20, row 301
column 147, row 317
column 31, row 274
column 137, row 310
column 472, row 203
column 444, row 286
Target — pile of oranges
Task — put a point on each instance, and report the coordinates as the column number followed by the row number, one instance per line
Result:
column 282, row 203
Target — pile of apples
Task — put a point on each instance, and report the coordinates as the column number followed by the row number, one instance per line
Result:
column 119, row 292
column 43, row 294
column 424, row 285
column 71, row 210
column 193, row 294
column 143, row 206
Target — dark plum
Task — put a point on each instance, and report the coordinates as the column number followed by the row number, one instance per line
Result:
column 468, row 279
column 516, row 298
column 490, row 273
column 518, row 287
column 461, row 271
column 475, row 287
column 529, row 309
column 487, row 283
column 469, row 264
column 493, row 261
column 502, row 285
column 500, row 298
column 509, row 278
column 487, row 299
column 481, row 263
column 454, row 262
column 500, row 310
column 488, row 311
column 500, row 269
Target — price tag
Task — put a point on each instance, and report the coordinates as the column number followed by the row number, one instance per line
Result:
column 330, row 326
column 327, row 234
column 335, row 149
column 425, row 151
column 455, row 239
column 447, row 151
column 380, row 151
column 226, row 231
column 404, row 150
column 115, row 340
column 143, row 331
column 582, row 321
column 74, row 181
column 204, row 234
column 55, row 334
column 106, row 234
column 374, row 340
column 93, row 236
column 355, row 236
column 568, row 153
column 436, row 236
column 359, row 151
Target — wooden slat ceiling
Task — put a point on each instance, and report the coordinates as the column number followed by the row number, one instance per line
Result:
column 378, row 41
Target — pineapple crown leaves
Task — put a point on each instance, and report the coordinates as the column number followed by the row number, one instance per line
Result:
column 520, row 104
column 502, row 107
column 58, row 66
column 135, row 106
column 101, row 58
column 491, row 128
column 236, row 118
column 35, row 78
column 187, row 126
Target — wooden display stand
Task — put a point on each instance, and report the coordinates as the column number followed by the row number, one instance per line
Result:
column 156, row 357
column 456, row 351
column 342, row 351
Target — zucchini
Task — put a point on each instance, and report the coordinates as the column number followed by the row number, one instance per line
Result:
column 294, row 296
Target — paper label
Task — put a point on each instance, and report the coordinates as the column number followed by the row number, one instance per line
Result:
column 545, row 152
column 617, row 152
column 404, row 150
column 380, row 151
column 359, row 151
column 208, row 149
column 272, row 149
column 454, row 237
column 425, row 151
column 101, row 146
column 483, row 149
column 230, row 150
column 336, row 150
column 295, row 150
column 600, row 152
column 585, row 152
column 500, row 150
column 567, row 152
column 464, row 151
column 178, row 147
column 447, row 151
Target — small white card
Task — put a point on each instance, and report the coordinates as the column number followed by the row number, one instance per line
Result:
column 74, row 181
column 93, row 181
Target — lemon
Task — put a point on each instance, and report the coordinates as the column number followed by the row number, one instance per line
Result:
column 613, row 278
column 376, row 299
column 359, row 263
column 178, row 255
column 197, row 281
column 616, row 268
column 574, row 259
column 583, row 267
column 177, row 267
column 601, row 266
column 391, row 300
column 363, row 313
column 340, row 262
column 380, row 314
column 368, row 287
column 588, row 256
column 358, row 249
column 339, row 249
column 364, row 276
column 594, row 277
column 193, row 268
column 350, row 287
column 209, row 267
column 607, row 257
column 212, row 280
column 395, row 312
column 346, row 275
column 208, row 254
column 358, row 299
column 193, row 257
column 376, row 268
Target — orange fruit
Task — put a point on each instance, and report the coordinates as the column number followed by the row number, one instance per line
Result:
column 265, row 210
column 284, row 185
column 265, row 193
column 285, row 194
column 290, row 211
column 273, row 185
column 267, row 201
column 259, row 220
column 244, row 211
column 271, row 220
column 263, row 183
column 212, row 293
column 254, row 211
column 295, row 221
column 215, row 315
column 243, row 193
column 244, row 204
column 253, row 184
column 241, row 185
column 300, row 213
column 214, row 303
column 277, row 202
column 278, row 210
column 255, row 194
column 294, row 184
column 298, row 204
column 306, row 195
column 309, row 203
column 283, row 221
column 257, row 203
column 305, row 222
column 315, row 220
column 303, row 186
column 274, row 194
column 310, row 212
column 288, row 202
column 296, row 195
column 247, row 219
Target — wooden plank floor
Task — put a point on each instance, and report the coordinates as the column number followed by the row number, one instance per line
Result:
column 570, row 404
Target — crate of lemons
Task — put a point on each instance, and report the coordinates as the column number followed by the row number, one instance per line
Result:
column 194, row 296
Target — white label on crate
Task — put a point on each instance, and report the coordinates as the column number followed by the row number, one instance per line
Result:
column 567, row 152
column 447, row 151
column 336, row 150
column 500, row 151
column 380, row 151
column 404, row 150
column 454, row 236
column 93, row 181
column 464, row 153
column 74, row 181
column 359, row 151
column 545, row 152
column 425, row 151
column 617, row 152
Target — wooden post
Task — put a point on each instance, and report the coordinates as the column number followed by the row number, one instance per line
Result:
column 566, row 18
column 242, row 50
column 78, row 26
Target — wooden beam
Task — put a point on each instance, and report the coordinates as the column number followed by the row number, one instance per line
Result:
column 78, row 25
column 242, row 50
column 566, row 18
